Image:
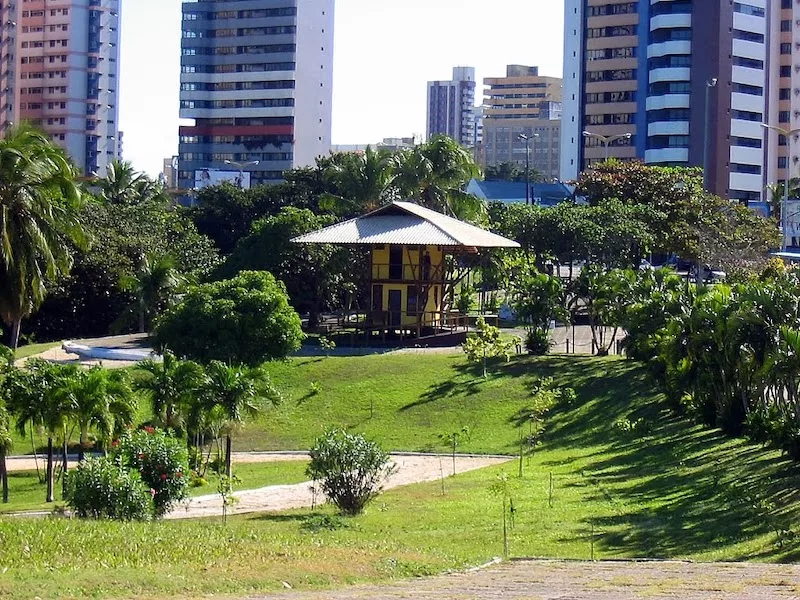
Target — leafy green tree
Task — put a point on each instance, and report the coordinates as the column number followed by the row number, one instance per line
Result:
column 487, row 343
column 243, row 320
column 89, row 302
column 509, row 171
column 435, row 175
column 603, row 296
column 314, row 274
column 239, row 392
column 538, row 299
column 39, row 222
column 154, row 286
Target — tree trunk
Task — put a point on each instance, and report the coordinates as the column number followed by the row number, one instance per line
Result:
column 16, row 326
column 4, row 475
column 83, row 444
column 49, row 475
column 228, row 456
column 142, row 327
column 64, row 470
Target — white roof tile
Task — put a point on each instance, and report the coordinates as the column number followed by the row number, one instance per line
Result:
column 409, row 224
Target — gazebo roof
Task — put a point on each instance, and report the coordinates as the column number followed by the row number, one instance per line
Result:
column 406, row 223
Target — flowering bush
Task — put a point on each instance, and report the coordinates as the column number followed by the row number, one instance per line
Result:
column 100, row 488
column 162, row 463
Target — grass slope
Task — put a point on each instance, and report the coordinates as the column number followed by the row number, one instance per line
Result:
column 672, row 490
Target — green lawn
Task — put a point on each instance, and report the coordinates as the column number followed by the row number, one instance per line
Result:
column 675, row 490
column 33, row 349
column 26, row 493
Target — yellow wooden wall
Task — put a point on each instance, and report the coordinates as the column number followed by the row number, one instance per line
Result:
column 411, row 257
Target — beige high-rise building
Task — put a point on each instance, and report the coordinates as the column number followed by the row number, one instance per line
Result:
column 60, row 61
column 523, row 103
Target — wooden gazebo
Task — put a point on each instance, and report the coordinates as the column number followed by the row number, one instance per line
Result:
column 417, row 257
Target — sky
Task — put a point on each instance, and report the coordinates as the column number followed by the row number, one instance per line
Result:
column 385, row 52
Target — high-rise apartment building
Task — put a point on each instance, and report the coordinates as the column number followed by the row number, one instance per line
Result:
column 785, row 92
column 523, row 103
column 60, row 61
column 450, row 107
column 256, row 78
column 648, row 78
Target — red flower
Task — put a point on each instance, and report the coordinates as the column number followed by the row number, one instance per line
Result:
column 141, row 455
column 149, row 429
column 179, row 474
column 163, row 477
column 114, row 443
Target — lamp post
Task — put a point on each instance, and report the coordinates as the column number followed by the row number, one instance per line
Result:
column 788, row 134
column 528, row 138
column 711, row 83
column 607, row 140
column 241, row 167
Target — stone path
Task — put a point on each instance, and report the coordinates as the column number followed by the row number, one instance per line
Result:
column 556, row 580
column 410, row 469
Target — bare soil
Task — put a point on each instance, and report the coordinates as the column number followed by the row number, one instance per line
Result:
column 556, row 580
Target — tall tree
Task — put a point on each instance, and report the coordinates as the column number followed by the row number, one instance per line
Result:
column 38, row 400
column 170, row 385
column 154, row 286
column 314, row 274
column 122, row 184
column 239, row 392
column 436, row 173
column 39, row 222
column 100, row 399
column 363, row 182
column 244, row 320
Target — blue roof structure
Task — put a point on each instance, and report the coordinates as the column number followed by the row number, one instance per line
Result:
column 511, row 192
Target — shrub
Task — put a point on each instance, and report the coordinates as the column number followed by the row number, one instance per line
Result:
column 350, row 469
column 161, row 461
column 538, row 342
column 100, row 488
column 244, row 320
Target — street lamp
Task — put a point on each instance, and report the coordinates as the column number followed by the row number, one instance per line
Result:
column 527, row 139
column 241, row 167
column 607, row 140
column 711, row 83
column 788, row 134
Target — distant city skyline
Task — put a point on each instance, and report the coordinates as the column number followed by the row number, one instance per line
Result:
column 385, row 53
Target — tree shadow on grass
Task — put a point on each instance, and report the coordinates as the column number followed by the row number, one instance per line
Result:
column 456, row 386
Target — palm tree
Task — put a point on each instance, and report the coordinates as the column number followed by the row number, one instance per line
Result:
column 6, row 444
column 238, row 392
column 154, row 286
column 777, row 193
column 39, row 222
column 38, row 400
column 100, row 399
column 363, row 181
column 436, row 174
column 124, row 185
column 170, row 386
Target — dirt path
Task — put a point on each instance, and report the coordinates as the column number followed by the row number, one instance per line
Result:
column 551, row 580
column 410, row 469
